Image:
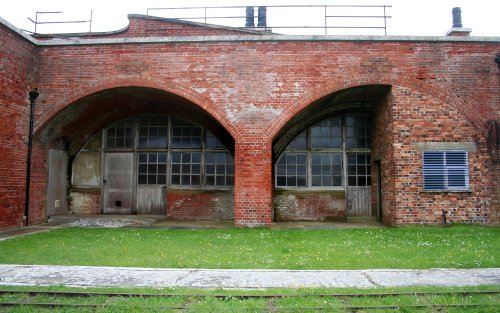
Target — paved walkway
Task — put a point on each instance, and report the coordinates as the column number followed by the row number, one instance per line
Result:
column 86, row 276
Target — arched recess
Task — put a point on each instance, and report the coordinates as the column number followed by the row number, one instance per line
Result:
column 323, row 157
column 84, row 92
column 85, row 118
column 330, row 87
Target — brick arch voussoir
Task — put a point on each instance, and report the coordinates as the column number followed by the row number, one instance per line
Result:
column 329, row 87
column 179, row 89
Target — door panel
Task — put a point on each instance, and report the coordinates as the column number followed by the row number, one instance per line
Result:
column 359, row 201
column 151, row 200
column 118, row 183
column 56, row 202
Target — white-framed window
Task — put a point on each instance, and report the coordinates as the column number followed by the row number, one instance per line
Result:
column 320, row 156
column 445, row 170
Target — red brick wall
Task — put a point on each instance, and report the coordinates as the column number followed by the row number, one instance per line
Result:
column 253, row 88
column 418, row 118
column 183, row 204
column 383, row 150
column 16, row 79
column 253, row 183
column 292, row 205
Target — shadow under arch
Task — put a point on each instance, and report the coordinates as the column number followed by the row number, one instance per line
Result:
column 336, row 86
column 356, row 100
column 77, row 117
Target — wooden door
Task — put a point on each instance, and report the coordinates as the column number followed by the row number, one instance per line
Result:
column 118, row 182
column 359, row 201
column 56, row 202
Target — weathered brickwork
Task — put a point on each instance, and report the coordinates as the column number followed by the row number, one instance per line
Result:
column 85, row 201
column 420, row 118
column 309, row 206
column 200, row 205
column 250, row 88
column 17, row 61
column 383, row 151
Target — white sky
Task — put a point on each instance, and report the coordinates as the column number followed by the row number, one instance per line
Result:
column 409, row 17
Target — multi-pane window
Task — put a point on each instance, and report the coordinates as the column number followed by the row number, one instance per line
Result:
column 152, row 168
column 316, row 157
column 153, row 131
column 359, row 169
column 357, row 132
column 292, row 170
column 327, row 134
column 170, row 151
column 186, row 168
column 121, row 135
column 212, row 142
column 326, row 170
column 185, row 135
column 299, row 143
column 219, row 169
column 445, row 170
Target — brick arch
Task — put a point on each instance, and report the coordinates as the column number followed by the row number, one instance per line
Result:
column 454, row 102
column 96, row 86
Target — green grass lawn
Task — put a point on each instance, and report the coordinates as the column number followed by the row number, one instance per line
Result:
column 409, row 247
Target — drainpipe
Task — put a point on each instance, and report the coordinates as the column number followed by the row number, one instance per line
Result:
column 33, row 95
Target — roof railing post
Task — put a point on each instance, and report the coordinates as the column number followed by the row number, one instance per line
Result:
column 326, row 27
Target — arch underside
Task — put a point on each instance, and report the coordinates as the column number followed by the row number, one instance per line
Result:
column 82, row 119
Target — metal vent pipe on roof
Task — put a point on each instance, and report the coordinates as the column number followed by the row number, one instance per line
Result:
column 250, row 20
column 262, row 19
column 457, row 17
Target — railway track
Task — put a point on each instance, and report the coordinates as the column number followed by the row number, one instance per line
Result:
column 31, row 299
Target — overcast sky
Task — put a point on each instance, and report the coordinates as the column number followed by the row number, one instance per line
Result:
column 409, row 17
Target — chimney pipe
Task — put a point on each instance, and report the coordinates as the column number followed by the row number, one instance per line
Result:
column 457, row 17
column 262, row 19
column 250, row 22
column 457, row 28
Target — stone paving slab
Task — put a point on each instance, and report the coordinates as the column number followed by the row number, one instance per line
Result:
column 86, row 276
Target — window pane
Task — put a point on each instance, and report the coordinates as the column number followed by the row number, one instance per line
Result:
column 358, row 173
column 357, row 132
column 121, row 134
column 324, row 172
column 185, row 134
column 326, row 134
column 299, row 142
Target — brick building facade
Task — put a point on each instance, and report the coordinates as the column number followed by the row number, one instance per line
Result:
column 201, row 122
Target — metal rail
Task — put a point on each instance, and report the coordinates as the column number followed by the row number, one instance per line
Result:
column 36, row 22
column 213, row 14
column 269, row 307
column 274, row 309
column 325, row 16
column 243, row 296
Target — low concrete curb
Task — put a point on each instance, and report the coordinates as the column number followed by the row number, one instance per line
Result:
column 85, row 276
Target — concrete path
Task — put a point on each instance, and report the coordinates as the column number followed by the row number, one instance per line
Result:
column 86, row 276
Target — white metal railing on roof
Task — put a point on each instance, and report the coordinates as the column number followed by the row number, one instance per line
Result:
column 286, row 19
